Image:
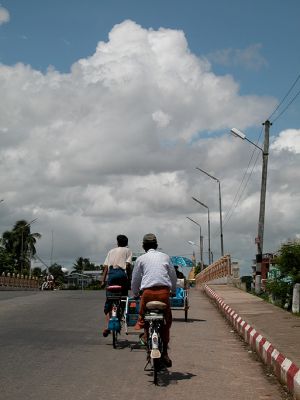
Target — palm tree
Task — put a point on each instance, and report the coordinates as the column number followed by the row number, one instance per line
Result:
column 20, row 243
column 6, row 259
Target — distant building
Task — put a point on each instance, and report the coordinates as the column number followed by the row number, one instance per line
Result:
column 83, row 280
column 263, row 269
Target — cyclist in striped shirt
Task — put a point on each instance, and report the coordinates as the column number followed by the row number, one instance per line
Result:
column 155, row 276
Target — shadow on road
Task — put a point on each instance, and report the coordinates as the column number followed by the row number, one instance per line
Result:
column 189, row 320
column 125, row 344
column 165, row 377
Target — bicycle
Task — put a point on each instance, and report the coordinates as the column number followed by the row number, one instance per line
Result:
column 114, row 293
column 154, row 320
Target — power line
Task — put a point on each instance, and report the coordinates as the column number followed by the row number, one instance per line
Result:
column 282, row 101
column 241, row 188
column 245, row 186
column 283, row 111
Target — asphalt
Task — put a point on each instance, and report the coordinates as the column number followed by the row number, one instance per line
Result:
column 270, row 330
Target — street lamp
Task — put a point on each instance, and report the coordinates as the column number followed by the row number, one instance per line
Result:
column 265, row 154
column 204, row 205
column 261, row 221
column 220, row 208
column 201, row 242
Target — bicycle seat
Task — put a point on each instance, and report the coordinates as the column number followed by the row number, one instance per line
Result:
column 114, row 288
column 156, row 305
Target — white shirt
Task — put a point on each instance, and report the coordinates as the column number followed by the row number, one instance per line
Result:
column 153, row 269
column 118, row 257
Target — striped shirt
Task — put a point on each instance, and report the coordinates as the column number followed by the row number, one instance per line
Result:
column 153, row 269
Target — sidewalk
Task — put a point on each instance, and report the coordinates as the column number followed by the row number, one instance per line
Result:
column 272, row 332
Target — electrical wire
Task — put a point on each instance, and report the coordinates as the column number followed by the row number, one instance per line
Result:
column 241, row 188
column 282, row 101
column 284, row 110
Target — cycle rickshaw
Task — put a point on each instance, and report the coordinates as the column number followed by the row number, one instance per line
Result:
column 181, row 300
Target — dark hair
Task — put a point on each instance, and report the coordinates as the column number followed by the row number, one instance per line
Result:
column 149, row 245
column 122, row 240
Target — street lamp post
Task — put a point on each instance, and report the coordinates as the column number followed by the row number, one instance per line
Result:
column 204, row 205
column 201, row 242
column 261, row 221
column 220, row 207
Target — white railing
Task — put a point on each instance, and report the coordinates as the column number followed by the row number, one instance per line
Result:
column 219, row 272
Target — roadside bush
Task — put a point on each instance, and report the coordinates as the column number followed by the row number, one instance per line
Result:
column 280, row 292
column 247, row 280
column 96, row 285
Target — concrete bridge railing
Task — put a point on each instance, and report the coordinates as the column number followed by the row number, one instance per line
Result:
column 17, row 281
column 220, row 272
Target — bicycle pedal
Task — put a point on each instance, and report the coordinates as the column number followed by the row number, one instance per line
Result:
column 155, row 353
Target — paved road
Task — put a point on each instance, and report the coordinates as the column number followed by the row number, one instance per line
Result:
column 52, row 348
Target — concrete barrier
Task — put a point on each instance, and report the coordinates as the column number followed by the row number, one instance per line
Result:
column 285, row 370
column 18, row 282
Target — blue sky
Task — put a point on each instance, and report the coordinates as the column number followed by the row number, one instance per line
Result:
column 43, row 33
column 242, row 56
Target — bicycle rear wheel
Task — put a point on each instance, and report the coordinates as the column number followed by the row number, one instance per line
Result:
column 115, row 339
column 156, row 368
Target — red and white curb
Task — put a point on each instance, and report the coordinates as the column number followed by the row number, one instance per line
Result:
column 285, row 370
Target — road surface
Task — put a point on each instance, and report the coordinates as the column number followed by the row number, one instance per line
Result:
column 52, row 348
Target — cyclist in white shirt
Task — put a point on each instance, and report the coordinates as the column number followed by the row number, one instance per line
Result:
column 116, row 269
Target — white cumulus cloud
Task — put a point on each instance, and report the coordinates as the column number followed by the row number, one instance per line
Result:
column 112, row 146
column 287, row 140
column 4, row 15
column 250, row 57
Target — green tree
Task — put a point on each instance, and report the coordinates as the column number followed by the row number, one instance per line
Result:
column 83, row 264
column 6, row 259
column 57, row 272
column 20, row 244
column 37, row 271
column 198, row 269
column 9, row 251
column 288, row 260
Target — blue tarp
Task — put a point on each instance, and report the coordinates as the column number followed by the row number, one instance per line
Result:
column 182, row 261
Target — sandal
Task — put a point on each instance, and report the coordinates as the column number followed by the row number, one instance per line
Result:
column 106, row 332
column 143, row 339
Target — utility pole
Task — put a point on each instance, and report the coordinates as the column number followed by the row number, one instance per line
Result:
column 261, row 222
